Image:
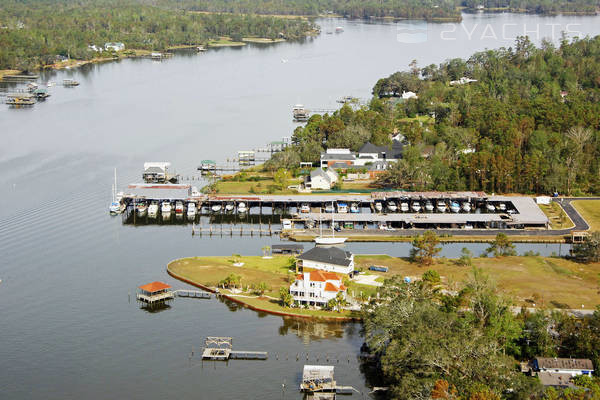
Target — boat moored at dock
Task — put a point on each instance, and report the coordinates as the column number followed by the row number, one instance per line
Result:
column 441, row 206
column 153, row 210
column 454, row 206
column 165, row 209
column 191, row 210
column 70, row 83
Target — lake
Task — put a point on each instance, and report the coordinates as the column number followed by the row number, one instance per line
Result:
column 70, row 325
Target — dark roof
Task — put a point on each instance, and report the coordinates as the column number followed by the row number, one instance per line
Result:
column 329, row 255
column 339, row 165
column 555, row 379
column 154, row 170
column 397, row 149
column 563, row 363
column 344, row 156
column 394, row 152
column 372, row 149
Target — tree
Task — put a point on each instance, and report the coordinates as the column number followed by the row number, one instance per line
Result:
column 285, row 297
column 425, row 248
column 465, row 257
column 589, row 250
column 232, row 280
column 266, row 250
column 431, row 276
column 261, row 288
column 281, row 178
column 501, row 246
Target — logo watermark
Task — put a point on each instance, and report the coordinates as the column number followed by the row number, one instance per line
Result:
column 412, row 32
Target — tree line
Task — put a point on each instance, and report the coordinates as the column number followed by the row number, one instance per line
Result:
column 34, row 32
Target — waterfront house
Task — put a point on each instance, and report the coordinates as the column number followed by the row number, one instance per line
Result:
column 155, row 172
column 330, row 259
column 114, row 46
column 572, row 366
column 320, row 179
column 333, row 156
column 316, row 288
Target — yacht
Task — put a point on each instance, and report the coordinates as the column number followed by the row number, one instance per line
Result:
column 191, row 210
column 165, row 209
column 392, row 206
column 229, row 207
column 429, row 206
column 153, row 210
column 305, row 208
column 454, row 206
column 179, row 207
column 441, row 206
column 242, row 207
column 216, row 207
column 354, row 208
column 329, row 208
column 342, row 208
column 404, row 207
column 466, row 206
column 300, row 113
column 142, row 209
column 378, row 206
column 490, row 207
column 415, row 206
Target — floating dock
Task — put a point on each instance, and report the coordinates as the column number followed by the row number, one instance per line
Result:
column 198, row 294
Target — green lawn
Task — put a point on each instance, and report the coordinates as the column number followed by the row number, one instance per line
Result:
column 590, row 211
column 557, row 216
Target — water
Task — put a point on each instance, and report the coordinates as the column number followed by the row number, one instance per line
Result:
column 69, row 329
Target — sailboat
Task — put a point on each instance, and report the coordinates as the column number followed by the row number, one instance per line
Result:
column 115, row 206
column 329, row 239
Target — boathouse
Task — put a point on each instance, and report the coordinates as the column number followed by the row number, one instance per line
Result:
column 154, row 292
column 330, row 259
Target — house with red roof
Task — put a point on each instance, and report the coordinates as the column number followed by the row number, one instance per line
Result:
column 316, row 288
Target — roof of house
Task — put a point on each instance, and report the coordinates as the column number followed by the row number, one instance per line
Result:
column 564, row 363
column 330, row 287
column 345, row 156
column 154, row 170
column 555, row 379
column 393, row 152
column 339, row 165
column 370, row 148
column 329, row 255
column 154, row 287
column 319, row 172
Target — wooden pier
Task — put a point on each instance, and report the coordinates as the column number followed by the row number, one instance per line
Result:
column 229, row 230
column 198, row 294
column 219, row 348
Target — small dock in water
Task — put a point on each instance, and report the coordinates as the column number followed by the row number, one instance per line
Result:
column 198, row 294
column 219, row 348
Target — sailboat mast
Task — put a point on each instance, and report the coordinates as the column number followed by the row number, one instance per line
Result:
column 332, row 219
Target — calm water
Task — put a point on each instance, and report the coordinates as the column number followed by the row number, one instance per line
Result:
column 68, row 327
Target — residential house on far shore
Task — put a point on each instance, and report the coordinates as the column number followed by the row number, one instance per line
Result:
column 316, row 288
column 320, row 179
column 329, row 259
column 558, row 372
column 409, row 95
column 337, row 156
column 114, row 46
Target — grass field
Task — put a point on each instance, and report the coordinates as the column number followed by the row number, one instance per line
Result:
column 224, row 42
column 557, row 216
column 4, row 72
column 558, row 282
column 590, row 211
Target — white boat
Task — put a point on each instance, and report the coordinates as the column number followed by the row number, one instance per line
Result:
column 153, row 210
column 165, row 208
column 115, row 205
column 429, row 206
column 415, row 206
column 404, row 207
column 229, row 207
column 378, row 206
column 114, row 208
column 329, row 240
column 441, row 206
column 466, row 206
column 490, row 207
column 342, row 208
column 392, row 206
column 502, row 207
column 242, row 207
column 216, row 207
column 178, row 207
column 329, row 208
column 305, row 208
column 191, row 210
column 50, row 84
column 142, row 209
column 354, row 208
column 454, row 206
column 339, row 29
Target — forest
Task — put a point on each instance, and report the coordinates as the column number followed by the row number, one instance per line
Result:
column 34, row 32
column 528, row 122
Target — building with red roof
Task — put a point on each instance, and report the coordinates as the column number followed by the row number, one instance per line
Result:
column 154, row 292
column 317, row 287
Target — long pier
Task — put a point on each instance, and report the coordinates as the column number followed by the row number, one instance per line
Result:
column 199, row 294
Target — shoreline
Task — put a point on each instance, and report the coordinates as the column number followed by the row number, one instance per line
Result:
column 444, row 239
column 253, row 307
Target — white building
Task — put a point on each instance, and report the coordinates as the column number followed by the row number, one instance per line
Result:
column 316, row 288
column 320, row 179
column 337, row 156
column 93, row 47
column 156, row 172
column 116, row 46
column 330, row 259
column 572, row 366
column 409, row 95
column 462, row 81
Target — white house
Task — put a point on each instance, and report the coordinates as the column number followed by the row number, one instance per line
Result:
column 572, row 366
column 321, row 179
column 316, row 288
column 330, row 259
column 336, row 156
column 93, row 47
column 462, row 81
column 409, row 95
column 116, row 46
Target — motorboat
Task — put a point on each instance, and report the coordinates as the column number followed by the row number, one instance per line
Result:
column 165, row 208
column 304, row 208
column 216, row 207
column 415, row 206
column 429, row 206
column 300, row 113
column 441, row 206
column 354, row 208
column 329, row 208
column 229, row 207
column 70, row 82
column 466, row 206
column 404, row 207
column 342, row 208
column 242, row 207
column 454, row 206
column 339, row 29
column 502, row 207
column 179, row 207
column 153, row 210
column 378, row 206
column 32, row 86
column 490, row 207
column 142, row 209
column 114, row 208
column 392, row 206
column 191, row 210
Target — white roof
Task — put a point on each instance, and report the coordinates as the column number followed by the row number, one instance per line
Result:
column 317, row 371
column 338, row 151
column 157, row 164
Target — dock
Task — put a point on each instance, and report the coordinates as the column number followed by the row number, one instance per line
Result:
column 198, row 294
column 219, row 348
